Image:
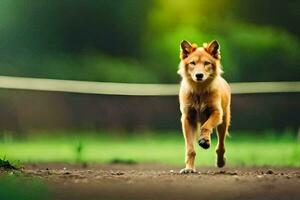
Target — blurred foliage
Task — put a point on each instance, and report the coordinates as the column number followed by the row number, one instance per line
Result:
column 15, row 186
column 6, row 165
column 138, row 41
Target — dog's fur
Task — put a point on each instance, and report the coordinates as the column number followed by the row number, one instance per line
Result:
column 204, row 101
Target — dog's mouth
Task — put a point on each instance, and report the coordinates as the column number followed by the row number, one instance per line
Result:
column 198, row 80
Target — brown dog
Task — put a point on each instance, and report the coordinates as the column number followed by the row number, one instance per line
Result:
column 204, row 100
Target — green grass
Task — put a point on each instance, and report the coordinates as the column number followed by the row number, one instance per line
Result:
column 16, row 187
column 6, row 165
column 166, row 148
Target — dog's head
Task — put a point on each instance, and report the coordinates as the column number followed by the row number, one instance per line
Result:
column 200, row 63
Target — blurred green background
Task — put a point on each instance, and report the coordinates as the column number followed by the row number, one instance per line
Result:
column 160, row 147
column 138, row 41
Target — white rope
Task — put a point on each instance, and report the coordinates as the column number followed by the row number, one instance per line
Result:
column 133, row 89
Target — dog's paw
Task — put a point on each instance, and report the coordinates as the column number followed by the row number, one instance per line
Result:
column 204, row 143
column 221, row 161
column 187, row 171
column 204, row 140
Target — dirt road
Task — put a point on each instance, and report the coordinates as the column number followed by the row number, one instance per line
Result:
column 150, row 181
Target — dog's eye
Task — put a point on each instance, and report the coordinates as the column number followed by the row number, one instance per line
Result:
column 207, row 63
column 192, row 63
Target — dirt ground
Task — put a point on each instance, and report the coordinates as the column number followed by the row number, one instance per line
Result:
column 151, row 181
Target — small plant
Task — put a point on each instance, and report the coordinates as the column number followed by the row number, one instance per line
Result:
column 6, row 165
column 79, row 149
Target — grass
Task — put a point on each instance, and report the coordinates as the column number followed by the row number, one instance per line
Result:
column 6, row 165
column 16, row 187
column 267, row 149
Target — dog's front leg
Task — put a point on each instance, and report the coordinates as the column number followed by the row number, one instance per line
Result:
column 206, row 129
column 188, row 128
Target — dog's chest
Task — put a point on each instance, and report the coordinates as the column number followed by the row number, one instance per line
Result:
column 198, row 101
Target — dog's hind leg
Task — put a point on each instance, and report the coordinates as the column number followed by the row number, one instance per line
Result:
column 222, row 131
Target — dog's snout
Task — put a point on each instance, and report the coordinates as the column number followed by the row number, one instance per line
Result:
column 199, row 76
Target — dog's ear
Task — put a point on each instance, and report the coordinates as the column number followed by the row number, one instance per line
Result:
column 213, row 48
column 186, row 48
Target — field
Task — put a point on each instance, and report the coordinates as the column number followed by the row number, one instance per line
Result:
column 146, row 166
column 243, row 149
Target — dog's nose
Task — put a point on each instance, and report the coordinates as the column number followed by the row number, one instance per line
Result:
column 199, row 76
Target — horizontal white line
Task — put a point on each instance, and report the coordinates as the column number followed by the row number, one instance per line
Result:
column 265, row 87
column 133, row 89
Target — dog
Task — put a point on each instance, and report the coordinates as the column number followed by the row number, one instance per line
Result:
column 204, row 98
